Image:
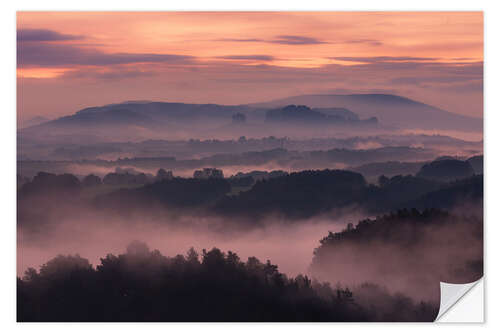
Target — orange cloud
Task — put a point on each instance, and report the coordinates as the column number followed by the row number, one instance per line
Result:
column 283, row 35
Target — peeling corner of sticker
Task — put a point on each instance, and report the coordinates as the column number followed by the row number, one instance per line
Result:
column 451, row 294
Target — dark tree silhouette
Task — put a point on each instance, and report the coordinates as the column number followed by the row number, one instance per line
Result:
column 239, row 118
column 144, row 285
column 163, row 175
column 91, row 180
column 299, row 194
column 446, row 170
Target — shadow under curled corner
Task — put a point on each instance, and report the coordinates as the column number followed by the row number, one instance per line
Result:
column 461, row 302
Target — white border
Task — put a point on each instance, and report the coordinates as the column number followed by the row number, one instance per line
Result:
column 8, row 125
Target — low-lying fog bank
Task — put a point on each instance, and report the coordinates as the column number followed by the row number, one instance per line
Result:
column 290, row 246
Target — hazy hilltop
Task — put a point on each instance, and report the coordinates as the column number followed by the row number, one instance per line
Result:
column 302, row 114
column 389, row 109
column 143, row 114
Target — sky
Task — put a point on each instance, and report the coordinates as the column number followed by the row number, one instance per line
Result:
column 70, row 60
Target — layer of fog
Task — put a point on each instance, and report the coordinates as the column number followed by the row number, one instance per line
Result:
column 462, row 135
column 206, row 129
column 414, row 270
column 290, row 246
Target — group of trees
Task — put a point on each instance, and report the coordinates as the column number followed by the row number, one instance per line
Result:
column 144, row 285
column 49, row 181
column 294, row 196
column 207, row 173
column 297, row 195
column 446, row 170
column 302, row 114
column 239, row 118
column 407, row 249
column 176, row 193
column 468, row 191
column 248, row 179
column 46, row 198
column 126, row 177
column 308, row 193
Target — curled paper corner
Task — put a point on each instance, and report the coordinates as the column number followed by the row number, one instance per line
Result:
column 451, row 294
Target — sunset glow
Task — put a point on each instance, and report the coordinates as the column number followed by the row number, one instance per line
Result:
column 248, row 166
column 228, row 57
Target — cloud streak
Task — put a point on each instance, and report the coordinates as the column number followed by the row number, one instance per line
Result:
column 384, row 59
column 299, row 40
column 241, row 40
column 373, row 42
column 248, row 57
column 281, row 39
column 44, row 35
column 296, row 40
column 60, row 55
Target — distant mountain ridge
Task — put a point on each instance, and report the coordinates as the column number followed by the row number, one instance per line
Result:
column 391, row 110
column 169, row 109
column 33, row 121
column 135, row 119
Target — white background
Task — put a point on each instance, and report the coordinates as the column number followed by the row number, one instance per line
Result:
column 469, row 308
column 8, row 155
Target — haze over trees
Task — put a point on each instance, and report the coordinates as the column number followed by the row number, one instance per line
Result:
column 420, row 249
column 303, row 115
column 249, row 197
column 256, row 174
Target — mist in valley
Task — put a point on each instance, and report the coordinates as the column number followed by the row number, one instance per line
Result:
column 315, row 206
column 289, row 203
column 288, row 246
